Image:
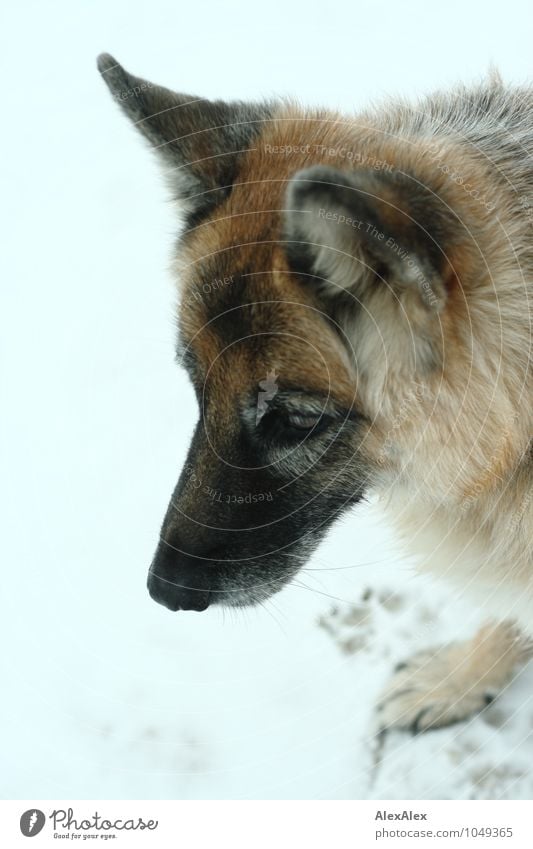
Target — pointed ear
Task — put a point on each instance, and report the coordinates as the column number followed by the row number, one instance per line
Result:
column 352, row 230
column 197, row 140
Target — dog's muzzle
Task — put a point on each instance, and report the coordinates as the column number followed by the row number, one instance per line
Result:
column 179, row 581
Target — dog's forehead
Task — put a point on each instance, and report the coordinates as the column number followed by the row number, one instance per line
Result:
column 243, row 315
column 243, row 311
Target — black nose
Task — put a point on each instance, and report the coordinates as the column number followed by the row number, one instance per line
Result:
column 179, row 581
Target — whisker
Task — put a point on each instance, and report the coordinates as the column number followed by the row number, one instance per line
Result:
column 320, row 592
column 382, row 562
column 263, row 605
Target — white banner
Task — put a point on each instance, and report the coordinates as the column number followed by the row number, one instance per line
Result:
column 265, row 825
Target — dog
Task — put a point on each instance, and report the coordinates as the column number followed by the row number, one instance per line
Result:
column 355, row 315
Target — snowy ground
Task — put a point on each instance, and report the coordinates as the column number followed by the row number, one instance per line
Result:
column 106, row 694
column 116, row 697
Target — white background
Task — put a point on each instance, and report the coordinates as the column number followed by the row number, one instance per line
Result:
column 106, row 694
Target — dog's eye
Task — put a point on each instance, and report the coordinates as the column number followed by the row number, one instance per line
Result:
column 305, row 422
column 301, row 425
column 279, row 425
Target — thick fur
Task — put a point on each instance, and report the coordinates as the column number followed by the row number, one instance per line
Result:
column 380, row 270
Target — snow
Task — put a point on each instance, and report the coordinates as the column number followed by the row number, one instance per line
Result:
column 105, row 694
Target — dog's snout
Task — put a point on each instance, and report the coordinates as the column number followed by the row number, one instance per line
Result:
column 179, row 581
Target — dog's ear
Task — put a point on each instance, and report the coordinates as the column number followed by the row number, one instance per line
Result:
column 197, row 140
column 351, row 230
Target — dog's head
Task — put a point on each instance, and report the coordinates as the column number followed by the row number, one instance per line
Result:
column 311, row 296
